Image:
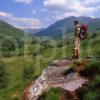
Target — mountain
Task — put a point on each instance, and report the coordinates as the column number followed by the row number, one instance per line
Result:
column 11, row 38
column 33, row 31
column 66, row 26
column 8, row 31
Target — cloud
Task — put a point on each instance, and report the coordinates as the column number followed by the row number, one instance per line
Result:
column 24, row 1
column 65, row 8
column 23, row 23
column 91, row 1
column 64, row 15
column 26, row 23
column 55, row 3
column 4, row 14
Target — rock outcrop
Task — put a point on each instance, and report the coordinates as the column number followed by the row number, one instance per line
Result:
column 58, row 74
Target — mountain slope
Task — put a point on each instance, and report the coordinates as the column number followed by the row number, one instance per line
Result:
column 33, row 31
column 11, row 39
column 66, row 26
column 8, row 30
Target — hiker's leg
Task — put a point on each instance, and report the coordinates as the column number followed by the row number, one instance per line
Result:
column 76, row 48
column 74, row 52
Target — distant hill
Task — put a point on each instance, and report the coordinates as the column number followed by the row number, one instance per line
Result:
column 33, row 31
column 66, row 26
column 11, row 38
column 8, row 30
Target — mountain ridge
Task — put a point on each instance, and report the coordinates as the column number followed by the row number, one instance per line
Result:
column 66, row 26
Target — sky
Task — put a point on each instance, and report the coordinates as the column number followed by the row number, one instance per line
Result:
column 29, row 14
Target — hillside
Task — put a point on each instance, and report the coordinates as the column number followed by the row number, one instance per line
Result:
column 8, row 30
column 65, row 26
column 11, row 38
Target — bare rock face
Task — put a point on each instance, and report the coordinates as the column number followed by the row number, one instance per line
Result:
column 53, row 76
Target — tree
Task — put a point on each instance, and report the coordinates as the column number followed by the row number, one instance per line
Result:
column 94, row 35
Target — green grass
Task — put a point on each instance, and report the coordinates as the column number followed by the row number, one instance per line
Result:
column 52, row 94
column 93, row 92
column 15, row 67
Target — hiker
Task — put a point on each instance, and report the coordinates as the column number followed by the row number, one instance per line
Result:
column 79, row 34
column 76, row 49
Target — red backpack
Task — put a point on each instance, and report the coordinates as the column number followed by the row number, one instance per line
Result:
column 83, row 32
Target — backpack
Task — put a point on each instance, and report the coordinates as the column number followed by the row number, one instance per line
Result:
column 83, row 31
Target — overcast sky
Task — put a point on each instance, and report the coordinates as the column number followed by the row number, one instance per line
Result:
column 41, row 13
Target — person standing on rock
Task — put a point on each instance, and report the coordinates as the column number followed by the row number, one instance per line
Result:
column 76, row 48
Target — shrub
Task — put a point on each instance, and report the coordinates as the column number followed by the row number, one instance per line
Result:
column 95, row 84
column 91, row 95
column 28, row 72
column 3, row 76
column 94, row 35
column 8, row 46
column 94, row 66
column 91, row 69
column 52, row 94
